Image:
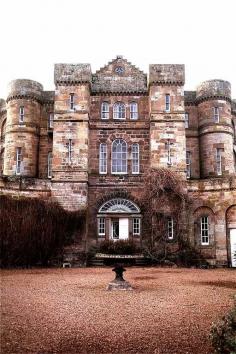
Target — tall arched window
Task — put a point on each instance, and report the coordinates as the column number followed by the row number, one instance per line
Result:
column 135, row 158
column 133, row 110
column 119, row 110
column 119, row 156
column 105, row 110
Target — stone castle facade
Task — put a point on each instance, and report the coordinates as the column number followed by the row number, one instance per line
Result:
column 87, row 145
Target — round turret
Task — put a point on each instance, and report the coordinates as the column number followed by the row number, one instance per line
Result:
column 213, row 89
column 24, row 88
column 22, row 128
column 215, row 128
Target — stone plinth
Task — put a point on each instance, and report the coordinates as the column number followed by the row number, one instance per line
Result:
column 119, row 285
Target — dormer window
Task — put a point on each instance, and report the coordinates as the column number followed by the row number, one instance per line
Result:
column 216, row 114
column 105, row 110
column 72, row 100
column 21, row 114
column 133, row 110
column 119, row 110
column 167, row 103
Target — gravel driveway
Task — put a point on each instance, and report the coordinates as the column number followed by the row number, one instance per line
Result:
column 48, row 311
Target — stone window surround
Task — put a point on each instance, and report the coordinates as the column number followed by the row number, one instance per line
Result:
column 129, row 156
column 132, row 113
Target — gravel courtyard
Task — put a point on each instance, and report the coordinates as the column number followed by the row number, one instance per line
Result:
column 68, row 310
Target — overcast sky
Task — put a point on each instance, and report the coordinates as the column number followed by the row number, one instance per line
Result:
column 35, row 34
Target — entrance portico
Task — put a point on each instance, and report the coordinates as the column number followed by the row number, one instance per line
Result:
column 119, row 219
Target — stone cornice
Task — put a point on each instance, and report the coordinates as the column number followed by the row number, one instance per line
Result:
column 166, row 82
column 120, row 93
column 212, row 97
column 19, row 97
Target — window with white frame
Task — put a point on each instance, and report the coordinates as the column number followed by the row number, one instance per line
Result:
column 204, row 230
column 21, row 114
column 170, row 228
column 50, row 165
column 72, row 100
column 133, row 110
column 69, row 149
column 105, row 110
column 119, row 110
column 50, row 120
column 103, row 159
column 216, row 114
column 186, row 120
column 101, row 226
column 167, row 103
column 188, row 164
column 119, row 157
column 18, row 160
column 219, row 161
column 135, row 158
column 136, row 226
column 169, row 152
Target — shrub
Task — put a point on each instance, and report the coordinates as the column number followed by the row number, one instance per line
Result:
column 33, row 231
column 223, row 333
column 118, row 247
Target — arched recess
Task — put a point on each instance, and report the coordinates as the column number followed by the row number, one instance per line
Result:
column 230, row 218
column 204, row 218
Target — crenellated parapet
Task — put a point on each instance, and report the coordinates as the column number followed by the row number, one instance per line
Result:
column 22, row 88
column 213, row 89
column 166, row 74
column 72, row 74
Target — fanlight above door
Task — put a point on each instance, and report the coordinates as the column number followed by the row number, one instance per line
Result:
column 119, row 205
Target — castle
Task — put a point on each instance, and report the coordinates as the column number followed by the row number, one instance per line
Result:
column 87, row 145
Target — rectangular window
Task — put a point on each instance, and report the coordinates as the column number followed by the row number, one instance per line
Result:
column 135, row 158
column 136, row 226
column 50, row 165
column 105, row 110
column 18, row 160
column 216, row 114
column 167, row 103
column 69, row 145
column 101, row 226
column 204, row 230
column 21, row 114
column 219, row 161
column 170, row 228
column 188, row 164
column 50, row 120
column 72, row 99
column 133, row 110
column 168, row 148
column 186, row 120
column 103, row 159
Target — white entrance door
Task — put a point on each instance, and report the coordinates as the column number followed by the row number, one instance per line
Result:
column 233, row 246
column 124, row 228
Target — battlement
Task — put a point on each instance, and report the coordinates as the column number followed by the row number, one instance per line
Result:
column 24, row 88
column 167, row 74
column 214, row 89
column 72, row 73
